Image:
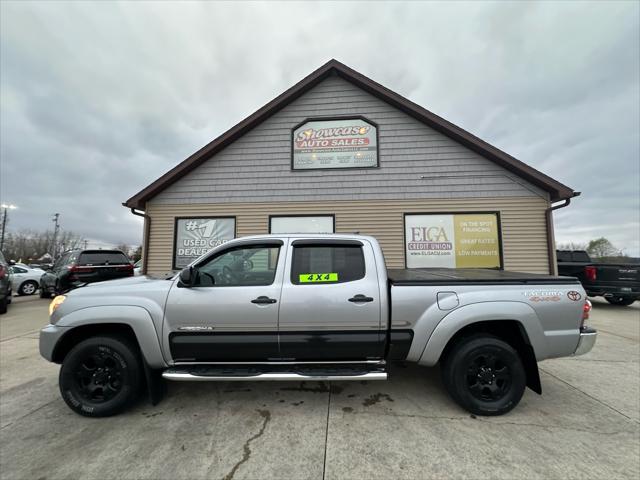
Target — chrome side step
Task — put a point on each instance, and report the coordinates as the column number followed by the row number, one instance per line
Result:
column 182, row 376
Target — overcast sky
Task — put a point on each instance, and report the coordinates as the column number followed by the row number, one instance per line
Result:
column 99, row 99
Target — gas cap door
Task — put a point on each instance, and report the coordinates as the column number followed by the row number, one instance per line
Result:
column 448, row 300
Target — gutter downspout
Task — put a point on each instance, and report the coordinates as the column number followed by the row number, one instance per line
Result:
column 551, row 241
column 145, row 238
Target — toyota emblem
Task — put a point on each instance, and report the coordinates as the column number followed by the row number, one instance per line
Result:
column 573, row 295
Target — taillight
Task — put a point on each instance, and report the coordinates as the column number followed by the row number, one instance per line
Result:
column 78, row 269
column 590, row 273
column 126, row 268
column 3, row 271
column 586, row 309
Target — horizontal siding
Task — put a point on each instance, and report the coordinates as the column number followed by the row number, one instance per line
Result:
column 524, row 236
column 415, row 161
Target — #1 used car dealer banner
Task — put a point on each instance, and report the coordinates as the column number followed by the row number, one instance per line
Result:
column 452, row 240
column 196, row 236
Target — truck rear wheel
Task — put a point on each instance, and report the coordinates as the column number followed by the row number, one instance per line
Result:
column 623, row 301
column 100, row 376
column 484, row 375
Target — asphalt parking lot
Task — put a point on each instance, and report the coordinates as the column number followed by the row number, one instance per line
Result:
column 586, row 423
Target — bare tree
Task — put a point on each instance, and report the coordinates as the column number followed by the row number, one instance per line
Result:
column 572, row 246
column 29, row 245
column 137, row 254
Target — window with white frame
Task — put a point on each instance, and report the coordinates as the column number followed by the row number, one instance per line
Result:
column 302, row 224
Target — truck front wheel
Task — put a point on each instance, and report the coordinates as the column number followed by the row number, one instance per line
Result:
column 100, row 376
column 484, row 375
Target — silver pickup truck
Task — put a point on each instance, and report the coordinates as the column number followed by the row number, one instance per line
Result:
column 312, row 307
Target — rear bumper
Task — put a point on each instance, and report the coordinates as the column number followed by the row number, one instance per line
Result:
column 587, row 341
column 613, row 291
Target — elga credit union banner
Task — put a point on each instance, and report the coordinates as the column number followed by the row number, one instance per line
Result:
column 196, row 236
column 452, row 240
column 335, row 144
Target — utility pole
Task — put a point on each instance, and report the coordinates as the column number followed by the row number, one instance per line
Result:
column 5, row 207
column 55, row 218
column 85, row 244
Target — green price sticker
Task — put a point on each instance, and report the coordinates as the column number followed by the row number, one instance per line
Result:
column 318, row 277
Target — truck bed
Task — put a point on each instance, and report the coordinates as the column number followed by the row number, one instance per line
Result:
column 469, row 276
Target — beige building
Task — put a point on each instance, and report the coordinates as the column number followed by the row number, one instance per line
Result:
column 338, row 152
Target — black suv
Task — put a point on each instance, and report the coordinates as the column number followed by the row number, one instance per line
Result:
column 77, row 267
column 5, row 284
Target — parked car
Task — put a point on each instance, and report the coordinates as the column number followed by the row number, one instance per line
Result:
column 312, row 307
column 619, row 284
column 78, row 267
column 5, row 284
column 137, row 268
column 41, row 266
column 25, row 280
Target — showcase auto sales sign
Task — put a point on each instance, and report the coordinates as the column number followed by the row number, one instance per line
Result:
column 345, row 143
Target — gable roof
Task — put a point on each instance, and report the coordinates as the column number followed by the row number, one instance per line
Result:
column 556, row 190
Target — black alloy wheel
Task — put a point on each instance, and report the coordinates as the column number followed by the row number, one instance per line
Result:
column 488, row 377
column 101, row 376
column 484, row 375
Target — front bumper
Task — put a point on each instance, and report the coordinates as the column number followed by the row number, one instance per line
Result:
column 49, row 337
column 587, row 340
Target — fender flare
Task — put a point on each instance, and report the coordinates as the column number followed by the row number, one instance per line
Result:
column 135, row 317
column 479, row 312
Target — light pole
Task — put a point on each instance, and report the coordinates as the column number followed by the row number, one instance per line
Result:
column 5, row 208
column 55, row 218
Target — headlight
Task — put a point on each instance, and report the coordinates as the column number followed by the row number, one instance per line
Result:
column 55, row 303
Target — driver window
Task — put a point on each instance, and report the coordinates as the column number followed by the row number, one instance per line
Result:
column 243, row 266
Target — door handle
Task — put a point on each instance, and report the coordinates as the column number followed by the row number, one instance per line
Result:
column 262, row 300
column 360, row 298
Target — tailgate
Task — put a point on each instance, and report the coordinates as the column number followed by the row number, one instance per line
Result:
column 620, row 275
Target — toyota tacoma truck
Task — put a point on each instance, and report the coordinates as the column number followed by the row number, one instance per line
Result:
column 618, row 283
column 312, row 307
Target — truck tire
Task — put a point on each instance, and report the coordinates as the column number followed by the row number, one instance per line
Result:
column 44, row 292
column 28, row 288
column 484, row 375
column 622, row 301
column 3, row 305
column 101, row 376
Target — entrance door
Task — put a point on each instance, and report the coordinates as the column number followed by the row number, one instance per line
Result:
column 231, row 312
column 330, row 302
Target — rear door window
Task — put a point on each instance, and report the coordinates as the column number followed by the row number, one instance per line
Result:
column 322, row 264
column 581, row 257
column 102, row 258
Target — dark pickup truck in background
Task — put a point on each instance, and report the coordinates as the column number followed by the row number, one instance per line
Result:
column 619, row 284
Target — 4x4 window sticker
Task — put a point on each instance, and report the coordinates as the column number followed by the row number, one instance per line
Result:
column 318, row 277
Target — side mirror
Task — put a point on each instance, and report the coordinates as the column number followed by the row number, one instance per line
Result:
column 187, row 277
